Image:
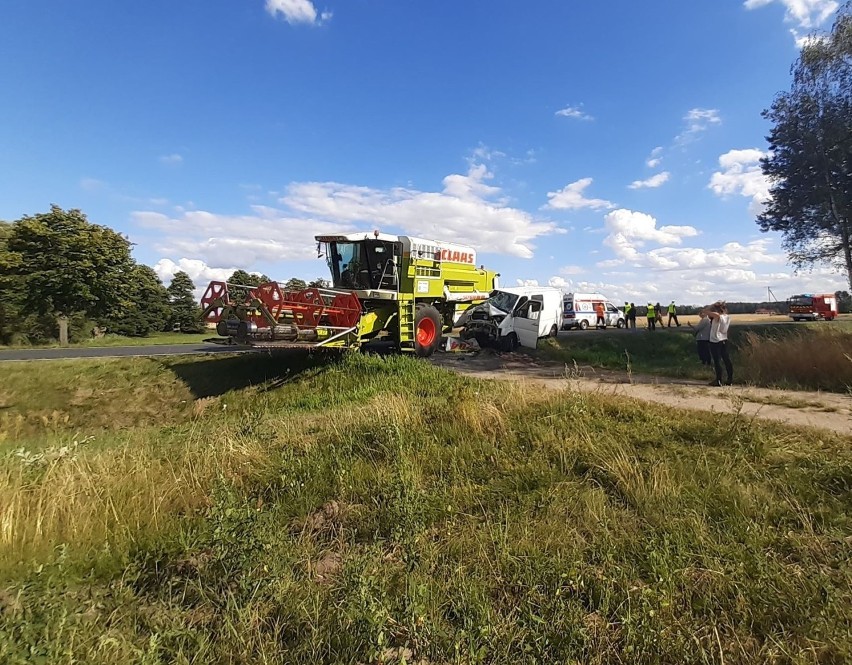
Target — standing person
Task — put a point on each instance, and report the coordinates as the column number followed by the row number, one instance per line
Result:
column 659, row 312
column 652, row 317
column 627, row 315
column 702, row 337
column 632, row 320
column 600, row 312
column 672, row 315
column 720, row 321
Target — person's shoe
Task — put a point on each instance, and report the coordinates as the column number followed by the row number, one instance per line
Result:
column 729, row 382
column 715, row 383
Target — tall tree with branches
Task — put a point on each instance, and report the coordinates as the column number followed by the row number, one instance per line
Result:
column 809, row 166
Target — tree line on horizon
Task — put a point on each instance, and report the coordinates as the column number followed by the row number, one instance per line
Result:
column 59, row 266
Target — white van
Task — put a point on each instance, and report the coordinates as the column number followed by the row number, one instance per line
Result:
column 515, row 316
column 579, row 311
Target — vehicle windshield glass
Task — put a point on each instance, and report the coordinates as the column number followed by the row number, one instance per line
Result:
column 503, row 301
column 801, row 301
column 368, row 264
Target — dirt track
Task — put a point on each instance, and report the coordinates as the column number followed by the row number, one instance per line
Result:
column 830, row 411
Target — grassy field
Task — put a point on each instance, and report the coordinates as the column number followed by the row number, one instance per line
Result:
column 318, row 509
column 815, row 356
column 154, row 338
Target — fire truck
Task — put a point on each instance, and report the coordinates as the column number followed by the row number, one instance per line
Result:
column 813, row 306
column 403, row 289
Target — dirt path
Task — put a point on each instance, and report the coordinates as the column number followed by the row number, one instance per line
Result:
column 829, row 411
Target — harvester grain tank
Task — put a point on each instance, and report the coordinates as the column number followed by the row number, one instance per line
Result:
column 404, row 289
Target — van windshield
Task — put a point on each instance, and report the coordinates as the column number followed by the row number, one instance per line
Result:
column 503, row 301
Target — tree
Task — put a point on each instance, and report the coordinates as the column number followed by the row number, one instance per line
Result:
column 295, row 284
column 241, row 279
column 810, row 162
column 147, row 308
column 60, row 265
column 186, row 313
column 319, row 283
column 844, row 301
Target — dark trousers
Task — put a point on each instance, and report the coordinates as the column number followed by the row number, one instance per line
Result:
column 704, row 351
column 652, row 323
column 673, row 316
column 631, row 322
column 600, row 321
column 719, row 351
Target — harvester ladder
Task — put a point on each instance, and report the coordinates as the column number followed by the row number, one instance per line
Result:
column 406, row 321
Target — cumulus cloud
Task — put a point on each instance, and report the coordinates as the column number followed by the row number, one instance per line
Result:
column 629, row 229
column 172, row 160
column 696, row 121
column 297, row 11
column 741, row 175
column 575, row 112
column 655, row 157
column 558, row 282
column 804, row 13
column 199, row 272
column 527, row 282
column 468, row 210
column 653, row 181
column 571, row 197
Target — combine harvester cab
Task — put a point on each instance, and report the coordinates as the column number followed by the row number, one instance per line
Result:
column 405, row 290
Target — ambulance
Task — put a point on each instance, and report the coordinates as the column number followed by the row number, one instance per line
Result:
column 578, row 311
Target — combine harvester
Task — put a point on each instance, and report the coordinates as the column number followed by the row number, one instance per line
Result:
column 403, row 289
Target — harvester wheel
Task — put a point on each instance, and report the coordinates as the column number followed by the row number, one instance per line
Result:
column 427, row 331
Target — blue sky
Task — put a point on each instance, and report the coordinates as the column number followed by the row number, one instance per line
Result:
column 607, row 146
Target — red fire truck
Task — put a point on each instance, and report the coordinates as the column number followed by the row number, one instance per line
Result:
column 813, row 306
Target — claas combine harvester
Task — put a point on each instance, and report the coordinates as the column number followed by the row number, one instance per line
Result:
column 403, row 289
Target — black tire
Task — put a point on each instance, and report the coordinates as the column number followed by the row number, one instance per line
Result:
column 510, row 342
column 554, row 331
column 620, row 323
column 584, row 325
column 427, row 330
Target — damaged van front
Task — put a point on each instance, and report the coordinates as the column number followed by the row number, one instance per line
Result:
column 514, row 317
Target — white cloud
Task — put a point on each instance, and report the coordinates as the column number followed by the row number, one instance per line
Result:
column 297, row 11
column 571, row 197
column 655, row 157
column 804, row 13
column 467, row 211
column 527, row 282
column 199, row 272
column 172, row 160
column 92, row 184
column 559, row 283
column 629, row 230
column 741, row 175
column 653, row 181
column 575, row 112
column 697, row 120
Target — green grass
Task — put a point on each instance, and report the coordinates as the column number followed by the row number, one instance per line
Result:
column 816, row 356
column 119, row 340
column 366, row 510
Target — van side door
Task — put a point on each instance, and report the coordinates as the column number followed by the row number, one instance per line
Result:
column 526, row 322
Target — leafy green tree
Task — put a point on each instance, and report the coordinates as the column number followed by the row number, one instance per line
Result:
column 810, row 162
column 145, row 310
column 58, row 264
column 241, row 279
column 319, row 283
column 844, row 301
column 186, row 312
column 295, row 284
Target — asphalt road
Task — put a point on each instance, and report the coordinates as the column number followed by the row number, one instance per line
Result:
column 117, row 351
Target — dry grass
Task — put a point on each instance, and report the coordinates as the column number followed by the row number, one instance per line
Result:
column 814, row 358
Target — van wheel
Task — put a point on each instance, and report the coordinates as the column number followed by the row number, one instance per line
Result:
column 554, row 331
column 427, row 331
column 620, row 323
column 510, row 342
column 584, row 325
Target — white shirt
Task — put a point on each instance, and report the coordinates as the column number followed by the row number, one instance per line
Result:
column 719, row 328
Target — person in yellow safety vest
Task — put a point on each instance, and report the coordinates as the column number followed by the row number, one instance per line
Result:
column 626, row 314
column 672, row 315
column 652, row 317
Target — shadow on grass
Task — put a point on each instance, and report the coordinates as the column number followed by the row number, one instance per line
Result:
column 216, row 376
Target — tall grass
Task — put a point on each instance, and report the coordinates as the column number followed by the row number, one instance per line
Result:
column 812, row 358
column 381, row 510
